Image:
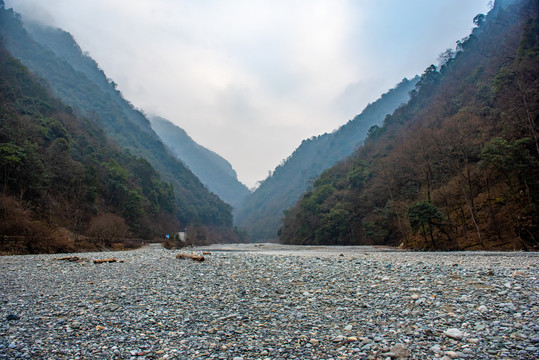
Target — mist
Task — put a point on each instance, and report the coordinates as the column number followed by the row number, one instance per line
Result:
column 251, row 79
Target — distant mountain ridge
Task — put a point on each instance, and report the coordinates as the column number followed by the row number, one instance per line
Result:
column 66, row 48
column 212, row 169
column 75, row 78
column 197, row 158
column 260, row 215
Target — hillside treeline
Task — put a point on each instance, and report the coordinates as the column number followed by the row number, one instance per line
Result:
column 261, row 213
column 76, row 79
column 455, row 168
column 61, row 177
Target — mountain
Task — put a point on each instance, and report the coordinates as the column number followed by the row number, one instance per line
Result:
column 75, row 78
column 261, row 213
column 214, row 171
column 65, row 187
column 455, row 168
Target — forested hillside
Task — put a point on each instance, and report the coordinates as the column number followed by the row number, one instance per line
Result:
column 457, row 167
column 262, row 211
column 214, row 171
column 61, row 178
column 77, row 80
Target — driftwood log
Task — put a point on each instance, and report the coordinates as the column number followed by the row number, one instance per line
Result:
column 190, row 256
column 101, row 261
column 71, row 258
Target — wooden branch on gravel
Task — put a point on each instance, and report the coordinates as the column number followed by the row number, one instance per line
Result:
column 101, row 261
column 191, row 257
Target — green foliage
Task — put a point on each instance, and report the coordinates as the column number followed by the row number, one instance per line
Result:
column 75, row 78
column 430, row 76
column 375, row 132
column 359, row 174
column 506, row 156
column 65, row 171
column 424, row 216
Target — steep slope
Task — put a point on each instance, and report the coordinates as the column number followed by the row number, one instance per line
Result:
column 77, row 80
column 261, row 213
column 214, row 171
column 457, row 167
column 61, row 178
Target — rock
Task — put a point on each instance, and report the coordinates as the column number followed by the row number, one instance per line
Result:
column 338, row 338
column 12, row 317
column 75, row 325
column 451, row 354
column 518, row 273
column 398, row 351
column 348, row 328
column 454, row 333
column 482, row 309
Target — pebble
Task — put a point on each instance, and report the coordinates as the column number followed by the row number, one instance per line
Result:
column 482, row 309
column 454, row 334
column 12, row 317
column 270, row 302
column 398, row 351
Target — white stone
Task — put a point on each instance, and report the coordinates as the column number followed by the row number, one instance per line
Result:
column 454, row 334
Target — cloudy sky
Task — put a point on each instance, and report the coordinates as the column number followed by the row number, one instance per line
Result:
column 250, row 79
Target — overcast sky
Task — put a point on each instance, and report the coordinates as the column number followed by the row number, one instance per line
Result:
column 250, row 79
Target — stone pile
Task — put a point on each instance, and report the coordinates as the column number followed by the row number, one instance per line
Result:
column 262, row 305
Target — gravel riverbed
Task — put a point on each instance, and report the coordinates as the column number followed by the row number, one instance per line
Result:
column 271, row 302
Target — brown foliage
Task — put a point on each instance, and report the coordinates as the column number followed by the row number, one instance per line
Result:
column 20, row 233
column 466, row 145
column 107, row 228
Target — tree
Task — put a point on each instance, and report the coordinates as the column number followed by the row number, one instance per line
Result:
column 108, row 227
column 424, row 216
column 479, row 19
